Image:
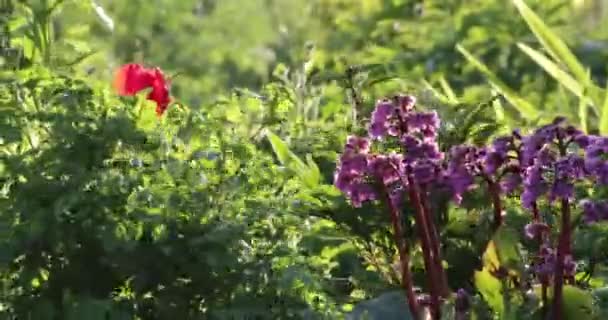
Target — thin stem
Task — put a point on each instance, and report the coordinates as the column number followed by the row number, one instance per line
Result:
column 494, row 189
column 562, row 250
column 425, row 242
column 544, row 281
column 435, row 244
column 403, row 248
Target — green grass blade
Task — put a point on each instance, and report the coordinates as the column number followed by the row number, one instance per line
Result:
column 553, row 70
column 550, row 41
column 526, row 109
column 447, row 89
column 603, row 127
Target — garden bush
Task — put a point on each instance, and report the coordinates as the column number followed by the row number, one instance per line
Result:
column 326, row 159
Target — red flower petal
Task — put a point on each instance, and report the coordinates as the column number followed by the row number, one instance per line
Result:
column 160, row 92
column 131, row 78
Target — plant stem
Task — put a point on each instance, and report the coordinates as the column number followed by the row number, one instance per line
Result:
column 435, row 245
column 427, row 252
column 402, row 245
column 494, row 189
column 562, row 250
column 544, row 281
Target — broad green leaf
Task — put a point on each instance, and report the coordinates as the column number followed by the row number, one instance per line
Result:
column 506, row 246
column 490, row 289
column 490, row 256
column 526, row 109
column 577, row 303
column 552, row 43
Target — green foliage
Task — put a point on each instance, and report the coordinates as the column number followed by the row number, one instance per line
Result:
column 225, row 208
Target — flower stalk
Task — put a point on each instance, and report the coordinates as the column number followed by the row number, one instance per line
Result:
column 407, row 282
column 427, row 251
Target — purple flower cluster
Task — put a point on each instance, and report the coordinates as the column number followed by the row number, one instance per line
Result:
column 551, row 162
column 546, row 164
column 496, row 163
column 352, row 174
column 594, row 211
column 536, row 230
column 421, row 159
column 547, row 261
column 596, row 160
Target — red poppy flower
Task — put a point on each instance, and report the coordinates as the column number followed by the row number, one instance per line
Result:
column 132, row 78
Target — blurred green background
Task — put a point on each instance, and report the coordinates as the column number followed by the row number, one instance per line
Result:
column 225, row 208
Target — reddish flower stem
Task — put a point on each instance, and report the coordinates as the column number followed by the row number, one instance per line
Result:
column 562, row 249
column 444, row 290
column 427, row 252
column 494, row 190
column 544, row 281
column 406, row 276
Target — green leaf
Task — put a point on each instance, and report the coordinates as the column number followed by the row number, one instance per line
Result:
column 577, row 303
column 506, row 241
column 490, row 289
column 525, row 108
column 583, row 105
column 447, row 89
column 550, row 41
column 309, row 174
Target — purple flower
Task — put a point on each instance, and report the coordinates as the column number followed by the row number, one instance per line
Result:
column 582, row 140
column 418, row 149
column 356, row 144
column 422, row 121
column 510, row 180
column 534, row 186
column 405, row 103
column 361, row 192
column 594, row 211
column 351, row 176
column 596, row 156
column 546, row 266
column 461, row 170
column 497, row 154
column 424, row 172
column 382, row 119
column 462, row 302
column 387, row 169
column 536, row 229
column 569, row 266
